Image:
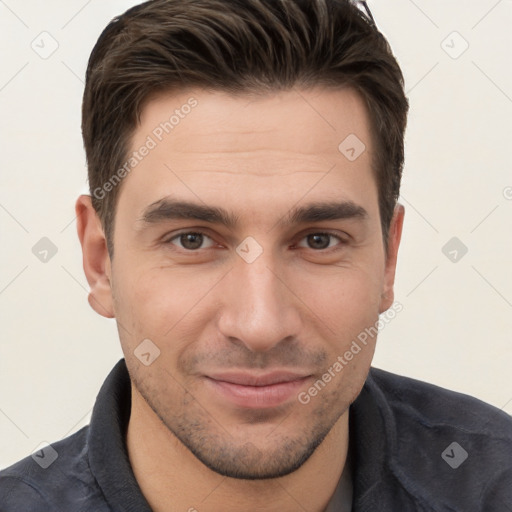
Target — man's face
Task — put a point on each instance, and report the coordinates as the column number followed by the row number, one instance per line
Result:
column 236, row 310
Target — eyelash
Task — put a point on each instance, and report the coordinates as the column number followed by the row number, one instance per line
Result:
column 199, row 232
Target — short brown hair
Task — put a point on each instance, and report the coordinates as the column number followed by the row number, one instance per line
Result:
column 237, row 46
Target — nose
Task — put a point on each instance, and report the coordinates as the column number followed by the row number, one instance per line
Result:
column 259, row 306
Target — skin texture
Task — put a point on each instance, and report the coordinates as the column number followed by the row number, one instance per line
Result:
column 296, row 307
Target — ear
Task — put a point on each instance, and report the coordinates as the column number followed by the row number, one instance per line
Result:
column 96, row 260
column 395, row 234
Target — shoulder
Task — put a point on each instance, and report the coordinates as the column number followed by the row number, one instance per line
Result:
column 445, row 444
column 434, row 406
column 51, row 479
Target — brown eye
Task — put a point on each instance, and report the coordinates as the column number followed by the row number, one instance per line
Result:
column 318, row 241
column 191, row 240
column 321, row 241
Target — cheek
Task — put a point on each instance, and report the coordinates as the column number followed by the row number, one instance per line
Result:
column 161, row 304
column 347, row 300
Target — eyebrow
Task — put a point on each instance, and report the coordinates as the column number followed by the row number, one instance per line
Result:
column 171, row 209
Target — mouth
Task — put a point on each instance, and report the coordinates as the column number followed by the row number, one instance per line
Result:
column 256, row 391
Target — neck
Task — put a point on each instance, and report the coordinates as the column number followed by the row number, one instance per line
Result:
column 172, row 479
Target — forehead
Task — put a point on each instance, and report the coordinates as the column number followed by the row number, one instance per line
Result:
column 257, row 151
column 302, row 121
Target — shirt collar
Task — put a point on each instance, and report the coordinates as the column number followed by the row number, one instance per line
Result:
column 108, row 456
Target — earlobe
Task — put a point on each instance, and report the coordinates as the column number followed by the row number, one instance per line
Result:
column 96, row 260
column 395, row 235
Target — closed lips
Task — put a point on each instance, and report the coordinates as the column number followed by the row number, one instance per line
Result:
column 269, row 379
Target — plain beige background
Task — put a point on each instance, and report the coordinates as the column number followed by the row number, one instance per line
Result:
column 455, row 326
